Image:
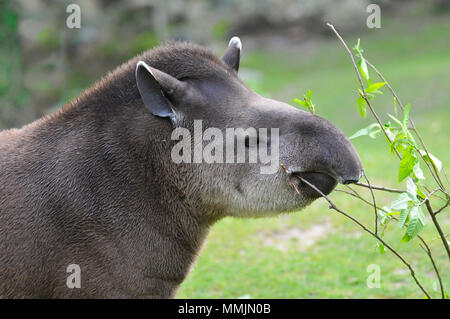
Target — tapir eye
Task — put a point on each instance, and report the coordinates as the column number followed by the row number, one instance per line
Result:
column 247, row 141
column 258, row 141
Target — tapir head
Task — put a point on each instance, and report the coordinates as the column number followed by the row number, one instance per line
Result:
column 213, row 116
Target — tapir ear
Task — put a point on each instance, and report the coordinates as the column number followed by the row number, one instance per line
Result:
column 232, row 55
column 156, row 88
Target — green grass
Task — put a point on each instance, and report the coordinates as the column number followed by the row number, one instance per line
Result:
column 235, row 261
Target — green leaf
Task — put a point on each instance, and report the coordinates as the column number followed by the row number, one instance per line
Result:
column 420, row 193
column 302, row 103
column 375, row 86
column 411, row 189
column 418, row 173
column 395, row 105
column 416, row 221
column 307, row 103
column 405, row 119
column 434, row 160
column 404, row 140
column 384, row 217
column 381, row 248
column 406, row 164
column 389, row 133
column 401, row 202
column 357, row 47
column 362, row 66
column 406, row 238
column 372, row 130
column 395, row 120
column 361, row 104
column 403, row 218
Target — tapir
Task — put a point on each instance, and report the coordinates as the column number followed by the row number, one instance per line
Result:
column 93, row 204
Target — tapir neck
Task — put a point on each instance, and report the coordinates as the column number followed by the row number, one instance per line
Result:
column 110, row 168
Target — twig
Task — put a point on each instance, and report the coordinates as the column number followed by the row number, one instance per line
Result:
column 381, row 188
column 374, row 202
column 436, row 195
column 437, row 178
column 429, row 195
column 446, row 177
column 295, row 186
column 442, row 208
column 334, row 207
column 355, row 194
column 438, row 226
column 399, row 191
column 363, row 88
column 436, row 270
column 428, row 250
column 432, row 171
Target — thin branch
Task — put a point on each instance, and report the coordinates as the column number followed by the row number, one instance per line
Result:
column 433, row 170
column 427, row 250
column 438, row 227
column 442, row 208
column 446, row 177
column 429, row 195
column 374, row 202
column 436, row 270
column 437, row 178
column 381, row 188
column 363, row 88
column 334, row 207
column 436, row 195
column 355, row 194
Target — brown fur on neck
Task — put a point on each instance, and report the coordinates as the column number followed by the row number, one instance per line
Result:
column 88, row 185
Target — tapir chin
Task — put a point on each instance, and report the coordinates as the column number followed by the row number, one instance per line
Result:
column 93, row 205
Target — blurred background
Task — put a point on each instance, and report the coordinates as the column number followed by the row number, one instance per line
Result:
column 287, row 49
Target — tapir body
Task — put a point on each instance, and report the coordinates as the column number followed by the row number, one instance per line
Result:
column 94, row 184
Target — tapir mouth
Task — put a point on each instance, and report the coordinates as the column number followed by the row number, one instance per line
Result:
column 324, row 182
